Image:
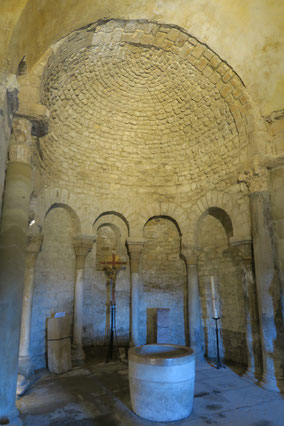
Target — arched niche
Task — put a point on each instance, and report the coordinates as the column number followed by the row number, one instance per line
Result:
column 110, row 230
column 54, row 276
column 164, row 280
column 72, row 215
column 215, row 260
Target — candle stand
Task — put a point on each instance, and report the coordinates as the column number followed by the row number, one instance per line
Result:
column 218, row 364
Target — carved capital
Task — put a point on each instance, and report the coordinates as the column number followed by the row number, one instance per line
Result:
column 256, row 179
column 190, row 253
column 20, row 143
column 82, row 245
column 243, row 251
column 135, row 248
column 34, row 243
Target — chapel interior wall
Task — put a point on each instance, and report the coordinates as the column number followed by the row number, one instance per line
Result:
column 54, row 279
column 215, row 260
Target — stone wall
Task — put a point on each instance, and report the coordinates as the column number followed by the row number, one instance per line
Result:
column 215, row 260
column 164, row 281
column 8, row 105
column 54, row 279
column 246, row 34
column 277, row 209
column 148, row 109
column 97, row 291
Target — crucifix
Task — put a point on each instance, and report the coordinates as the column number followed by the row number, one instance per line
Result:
column 112, row 267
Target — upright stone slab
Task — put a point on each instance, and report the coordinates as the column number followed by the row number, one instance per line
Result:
column 163, row 325
column 59, row 344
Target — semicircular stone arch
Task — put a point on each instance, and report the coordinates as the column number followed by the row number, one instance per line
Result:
column 57, row 197
column 166, row 209
column 224, row 202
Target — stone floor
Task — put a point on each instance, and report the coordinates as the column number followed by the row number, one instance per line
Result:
column 98, row 394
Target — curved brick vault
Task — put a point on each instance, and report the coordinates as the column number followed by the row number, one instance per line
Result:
column 140, row 105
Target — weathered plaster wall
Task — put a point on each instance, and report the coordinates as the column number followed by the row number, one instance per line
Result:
column 216, row 261
column 247, row 34
column 54, row 279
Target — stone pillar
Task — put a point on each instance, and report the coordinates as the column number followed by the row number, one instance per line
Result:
column 34, row 242
column 196, row 336
column 277, row 209
column 82, row 246
column 17, row 192
column 135, row 248
column 242, row 252
column 267, row 278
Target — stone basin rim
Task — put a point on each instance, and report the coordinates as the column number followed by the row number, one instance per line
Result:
column 161, row 354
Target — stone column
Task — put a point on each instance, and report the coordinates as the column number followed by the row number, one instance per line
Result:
column 267, row 279
column 135, row 248
column 34, row 242
column 196, row 336
column 277, row 209
column 242, row 252
column 18, row 187
column 82, row 246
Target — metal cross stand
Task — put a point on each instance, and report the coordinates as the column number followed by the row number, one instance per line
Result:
column 111, row 268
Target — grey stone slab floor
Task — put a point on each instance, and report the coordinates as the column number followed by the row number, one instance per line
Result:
column 98, row 394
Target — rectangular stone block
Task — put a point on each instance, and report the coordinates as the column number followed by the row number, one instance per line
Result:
column 58, row 328
column 163, row 317
column 59, row 344
column 59, row 355
column 163, row 335
column 163, row 320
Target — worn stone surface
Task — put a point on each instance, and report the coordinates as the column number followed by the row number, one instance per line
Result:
column 98, row 394
column 59, row 345
column 54, row 280
column 229, row 288
column 164, row 281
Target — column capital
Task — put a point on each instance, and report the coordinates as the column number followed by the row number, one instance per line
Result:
column 82, row 245
column 256, row 179
column 243, row 250
column 34, row 243
column 190, row 253
column 19, row 149
column 135, row 245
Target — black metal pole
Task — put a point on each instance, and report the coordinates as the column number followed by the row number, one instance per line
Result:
column 218, row 365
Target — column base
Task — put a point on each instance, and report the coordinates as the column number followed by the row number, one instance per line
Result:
column 253, row 374
column 10, row 418
column 25, row 366
column 77, row 353
column 22, row 385
column 269, row 383
column 132, row 344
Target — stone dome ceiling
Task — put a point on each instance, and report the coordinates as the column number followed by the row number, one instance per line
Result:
column 127, row 109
